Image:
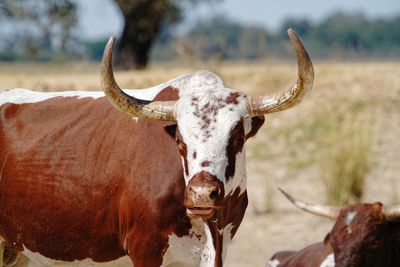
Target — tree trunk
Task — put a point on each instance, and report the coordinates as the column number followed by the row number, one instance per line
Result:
column 142, row 24
column 133, row 52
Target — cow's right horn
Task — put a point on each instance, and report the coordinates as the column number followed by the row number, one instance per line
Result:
column 156, row 110
column 331, row 212
column 258, row 105
column 392, row 213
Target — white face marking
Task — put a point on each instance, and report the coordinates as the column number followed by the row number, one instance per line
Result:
column 40, row 260
column 349, row 219
column 329, row 261
column 205, row 122
column 273, row 263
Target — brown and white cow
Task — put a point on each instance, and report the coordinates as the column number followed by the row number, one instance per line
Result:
column 83, row 183
column 364, row 235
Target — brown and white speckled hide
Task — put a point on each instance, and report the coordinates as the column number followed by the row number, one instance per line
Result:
column 83, row 184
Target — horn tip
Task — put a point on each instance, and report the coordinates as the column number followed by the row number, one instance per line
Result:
column 111, row 40
column 289, row 197
column 292, row 35
column 107, row 54
column 392, row 213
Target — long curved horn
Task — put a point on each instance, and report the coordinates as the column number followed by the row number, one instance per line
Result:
column 331, row 212
column 267, row 104
column 392, row 213
column 155, row 110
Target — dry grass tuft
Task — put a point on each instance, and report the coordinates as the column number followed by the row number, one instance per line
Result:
column 345, row 157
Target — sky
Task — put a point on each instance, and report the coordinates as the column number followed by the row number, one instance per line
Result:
column 101, row 18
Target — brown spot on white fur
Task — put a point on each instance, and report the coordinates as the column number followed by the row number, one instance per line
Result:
column 233, row 98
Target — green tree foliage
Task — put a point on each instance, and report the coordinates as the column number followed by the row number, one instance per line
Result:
column 41, row 29
column 343, row 35
column 37, row 28
column 223, row 39
column 340, row 35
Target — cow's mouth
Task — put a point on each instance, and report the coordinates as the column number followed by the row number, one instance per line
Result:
column 202, row 212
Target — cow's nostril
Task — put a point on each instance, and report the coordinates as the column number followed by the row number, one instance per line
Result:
column 214, row 194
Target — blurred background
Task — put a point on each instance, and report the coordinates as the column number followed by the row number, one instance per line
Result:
column 340, row 146
column 166, row 30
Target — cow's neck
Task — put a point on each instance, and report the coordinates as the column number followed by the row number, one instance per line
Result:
column 216, row 242
column 221, row 227
column 217, row 238
column 225, row 222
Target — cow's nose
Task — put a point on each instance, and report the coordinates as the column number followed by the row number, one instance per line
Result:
column 215, row 193
column 204, row 195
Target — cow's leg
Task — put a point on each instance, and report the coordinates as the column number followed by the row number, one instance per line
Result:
column 2, row 245
column 10, row 255
column 147, row 250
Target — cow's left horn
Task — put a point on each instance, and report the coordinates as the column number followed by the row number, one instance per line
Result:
column 156, row 110
column 392, row 213
column 331, row 212
column 258, row 105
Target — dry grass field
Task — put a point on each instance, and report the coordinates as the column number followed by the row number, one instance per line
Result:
column 347, row 130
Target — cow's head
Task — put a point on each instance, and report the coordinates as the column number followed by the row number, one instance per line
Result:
column 212, row 124
column 363, row 234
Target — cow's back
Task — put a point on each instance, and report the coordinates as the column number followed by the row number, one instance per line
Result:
column 73, row 168
column 312, row 256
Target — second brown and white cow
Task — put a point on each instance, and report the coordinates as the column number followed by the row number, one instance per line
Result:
column 364, row 235
column 82, row 183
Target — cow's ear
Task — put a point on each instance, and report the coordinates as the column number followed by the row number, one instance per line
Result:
column 256, row 123
column 171, row 130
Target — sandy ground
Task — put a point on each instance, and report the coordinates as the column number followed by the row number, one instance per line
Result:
column 271, row 223
column 284, row 227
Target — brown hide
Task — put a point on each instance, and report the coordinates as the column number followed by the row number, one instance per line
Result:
column 361, row 237
column 79, row 179
column 311, row 256
column 368, row 241
column 232, row 212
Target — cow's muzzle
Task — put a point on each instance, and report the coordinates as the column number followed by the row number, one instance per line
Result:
column 203, row 195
